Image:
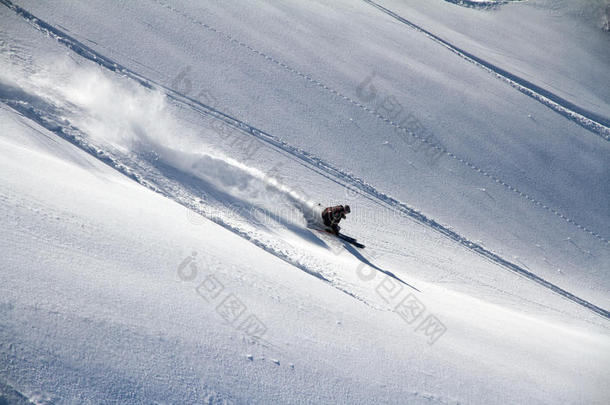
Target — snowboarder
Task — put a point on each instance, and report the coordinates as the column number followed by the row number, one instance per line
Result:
column 333, row 215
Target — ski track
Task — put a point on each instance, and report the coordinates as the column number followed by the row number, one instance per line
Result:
column 376, row 114
column 314, row 163
column 591, row 121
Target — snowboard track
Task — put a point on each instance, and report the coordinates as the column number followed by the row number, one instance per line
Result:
column 305, row 158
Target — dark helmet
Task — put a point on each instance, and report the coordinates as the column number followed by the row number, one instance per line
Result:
column 347, row 209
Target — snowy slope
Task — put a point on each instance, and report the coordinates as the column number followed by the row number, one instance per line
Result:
column 211, row 136
column 506, row 155
column 94, row 309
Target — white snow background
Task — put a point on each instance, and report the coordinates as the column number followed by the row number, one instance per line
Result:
column 160, row 160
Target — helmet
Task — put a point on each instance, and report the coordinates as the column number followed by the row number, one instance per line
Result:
column 347, row 209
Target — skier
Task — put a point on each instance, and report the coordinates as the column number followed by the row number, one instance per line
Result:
column 333, row 215
column 328, row 219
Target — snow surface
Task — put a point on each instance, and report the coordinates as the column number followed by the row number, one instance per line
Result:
column 161, row 159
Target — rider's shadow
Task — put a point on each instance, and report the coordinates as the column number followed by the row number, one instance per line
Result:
column 354, row 251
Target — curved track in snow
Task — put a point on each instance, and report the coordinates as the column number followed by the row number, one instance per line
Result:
column 312, row 162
